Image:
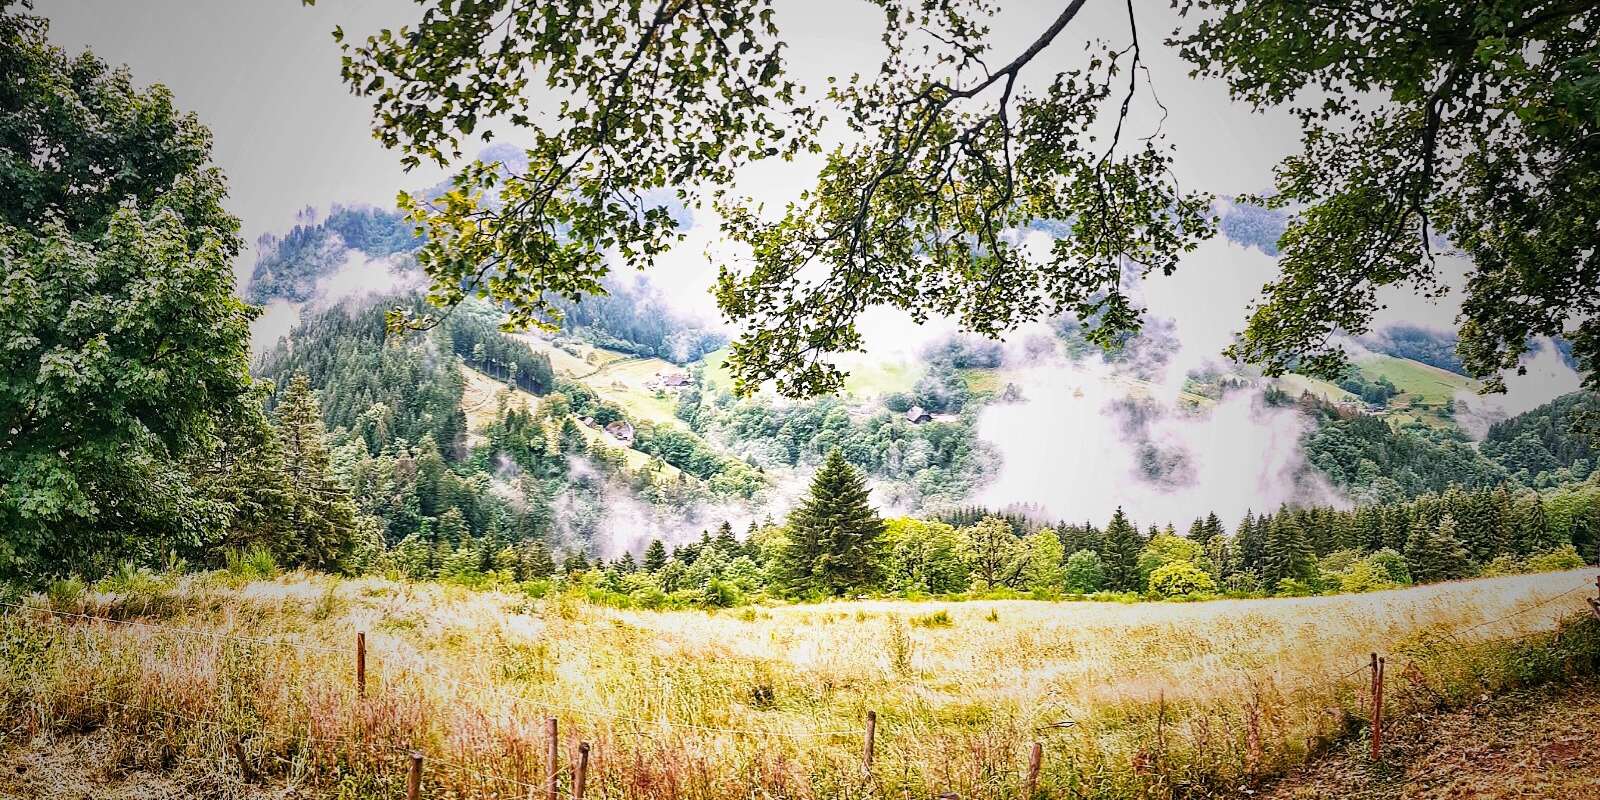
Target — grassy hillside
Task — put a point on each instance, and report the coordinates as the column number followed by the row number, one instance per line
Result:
column 232, row 682
column 615, row 376
column 1425, row 391
column 480, row 401
column 865, row 381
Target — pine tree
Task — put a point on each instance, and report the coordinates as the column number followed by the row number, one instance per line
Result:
column 576, row 562
column 321, row 515
column 626, row 565
column 1435, row 552
column 1119, row 554
column 835, row 536
column 655, row 556
column 1213, row 527
column 1197, row 531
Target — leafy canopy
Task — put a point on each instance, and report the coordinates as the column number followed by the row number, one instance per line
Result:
column 123, row 352
column 948, row 162
column 1429, row 125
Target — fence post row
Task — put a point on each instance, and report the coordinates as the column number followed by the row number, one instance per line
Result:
column 414, row 778
column 1377, row 707
column 580, row 773
column 1035, row 758
column 361, row 663
column 872, row 732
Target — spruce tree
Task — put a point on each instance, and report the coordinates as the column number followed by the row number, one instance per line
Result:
column 1287, row 553
column 1213, row 526
column 835, row 537
column 1119, row 554
column 321, row 515
column 1435, row 552
column 726, row 541
column 655, row 556
column 1250, row 544
column 1533, row 532
column 1197, row 531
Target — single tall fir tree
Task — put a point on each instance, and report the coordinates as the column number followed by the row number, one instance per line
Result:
column 835, row 537
column 321, row 515
column 1435, row 552
column 1119, row 553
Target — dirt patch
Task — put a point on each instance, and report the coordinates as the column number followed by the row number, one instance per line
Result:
column 1523, row 745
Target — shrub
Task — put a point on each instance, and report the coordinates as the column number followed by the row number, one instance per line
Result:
column 1293, row 587
column 1084, row 572
column 257, row 563
column 1563, row 558
column 1180, row 579
column 938, row 619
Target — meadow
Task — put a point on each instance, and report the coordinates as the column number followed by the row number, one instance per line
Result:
column 252, row 682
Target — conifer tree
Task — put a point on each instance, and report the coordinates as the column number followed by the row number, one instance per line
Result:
column 626, row 565
column 321, row 515
column 726, row 541
column 1119, row 554
column 655, row 556
column 1197, row 531
column 1533, row 533
column 534, row 560
column 1213, row 527
column 1287, row 554
column 835, row 536
column 576, row 562
column 1435, row 552
column 1250, row 544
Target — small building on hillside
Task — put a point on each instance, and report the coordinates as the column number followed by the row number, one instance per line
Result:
column 621, row 430
column 916, row 415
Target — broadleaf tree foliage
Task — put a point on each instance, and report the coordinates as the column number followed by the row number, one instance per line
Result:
column 923, row 209
column 1430, row 124
column 123, row 351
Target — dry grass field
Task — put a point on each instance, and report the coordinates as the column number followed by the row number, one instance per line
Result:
column 241, row 685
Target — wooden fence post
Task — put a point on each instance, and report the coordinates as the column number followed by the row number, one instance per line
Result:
column 361, row 663
column 580, row 773
column 553, row 758
column 872, row 733
column 1035, row 758
column 1377, row 707
column 414, row 779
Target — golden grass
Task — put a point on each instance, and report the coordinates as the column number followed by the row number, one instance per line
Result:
column 1129, row 700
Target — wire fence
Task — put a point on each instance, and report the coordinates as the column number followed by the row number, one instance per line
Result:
column 550, row 787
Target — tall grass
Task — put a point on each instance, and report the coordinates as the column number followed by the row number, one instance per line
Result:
column 1129, row 700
